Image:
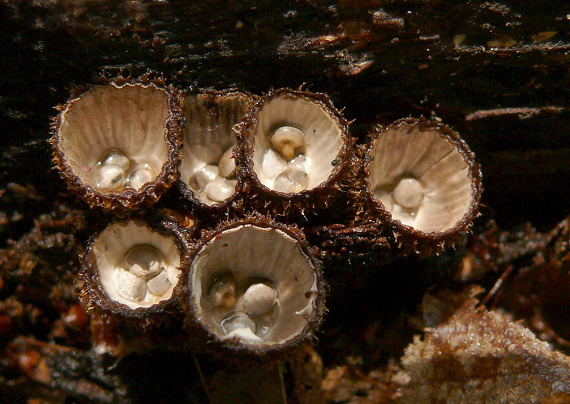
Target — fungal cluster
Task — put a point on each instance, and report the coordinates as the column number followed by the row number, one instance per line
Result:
column 229, row 261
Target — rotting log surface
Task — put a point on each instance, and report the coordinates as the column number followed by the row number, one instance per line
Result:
column 498, row 72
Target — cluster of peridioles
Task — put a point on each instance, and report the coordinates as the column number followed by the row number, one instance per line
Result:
column 251, row 283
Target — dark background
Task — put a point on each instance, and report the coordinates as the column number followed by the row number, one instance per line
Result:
column 377, row 60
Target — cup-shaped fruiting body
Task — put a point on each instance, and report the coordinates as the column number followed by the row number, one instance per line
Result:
column 118, row 146
column 424, row 175
column 295, row 143
column 132, row 270
column 256, row 286
column 208, row 168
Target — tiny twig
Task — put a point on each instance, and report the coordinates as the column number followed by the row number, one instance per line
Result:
column 493, row 113
column 203, row 379
column 282, row 380
column 496, row 286
column 541, row 325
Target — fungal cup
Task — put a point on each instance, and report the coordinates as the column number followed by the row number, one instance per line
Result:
column 130, row 266
column 256, row 285
column 118, row 146
column 208, row 168
column 424, row 176
column 297, row 139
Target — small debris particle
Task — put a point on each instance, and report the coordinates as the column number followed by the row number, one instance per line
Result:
column 503, row 41
column 459, row 39
column 543, row 36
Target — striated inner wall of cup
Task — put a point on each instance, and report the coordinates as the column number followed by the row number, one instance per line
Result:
column 126, row 283
column 129, row 119
column 253, row 279
column 322, row 143
column 208, row 137
column 421, row 178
